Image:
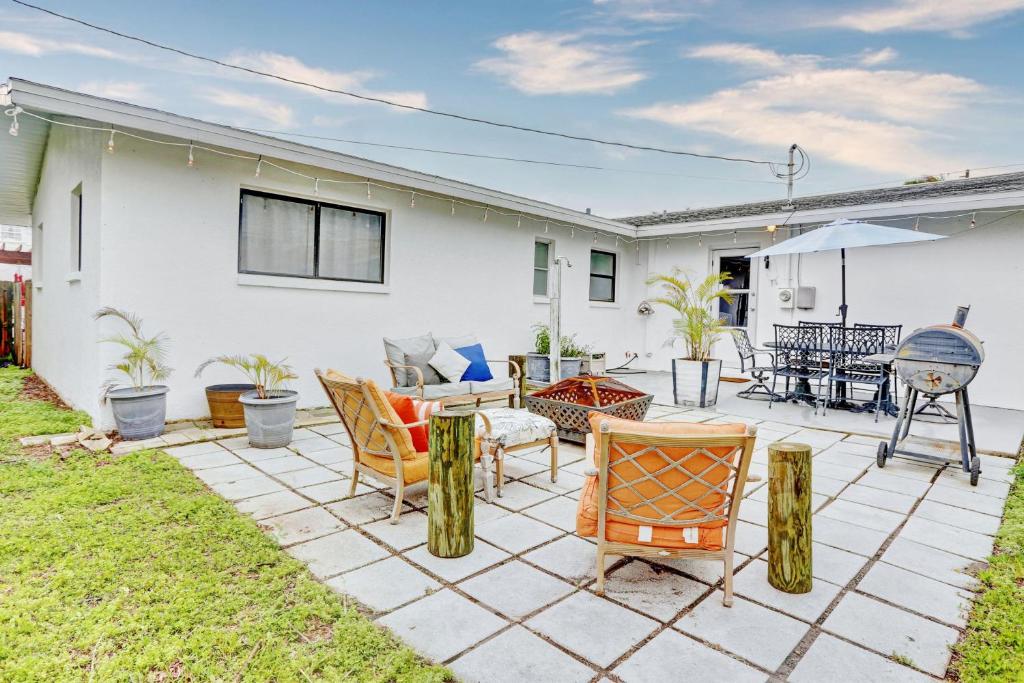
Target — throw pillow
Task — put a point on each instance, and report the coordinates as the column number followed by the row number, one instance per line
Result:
column 411, row 410
column 449, row 362
column 395, row 349
column 422, row 361
column 478, row 369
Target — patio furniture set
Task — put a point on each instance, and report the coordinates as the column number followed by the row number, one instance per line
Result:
column 665, row 490
column 824, row 364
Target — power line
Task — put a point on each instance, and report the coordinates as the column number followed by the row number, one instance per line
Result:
column 381, row 100
column 522, row 160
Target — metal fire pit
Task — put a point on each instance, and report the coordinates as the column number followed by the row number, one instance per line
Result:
column 932, row 362
column 568, row 403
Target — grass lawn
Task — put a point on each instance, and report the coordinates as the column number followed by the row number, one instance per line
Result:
column 127, row 568
column 993, row 648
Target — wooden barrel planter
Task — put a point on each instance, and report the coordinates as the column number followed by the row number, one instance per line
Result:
column 225, row 410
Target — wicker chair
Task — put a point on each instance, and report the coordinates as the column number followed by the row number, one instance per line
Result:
column 381, row 445
column 665, row 490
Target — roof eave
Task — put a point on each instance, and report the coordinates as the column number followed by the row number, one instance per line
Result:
column 959, row 203
column 39, row 97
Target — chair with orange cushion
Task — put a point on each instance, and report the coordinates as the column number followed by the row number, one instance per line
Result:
column 665, row 490
column 382, row 443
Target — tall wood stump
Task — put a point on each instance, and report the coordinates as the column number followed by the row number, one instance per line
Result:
column 789, row 517
column 450, row 484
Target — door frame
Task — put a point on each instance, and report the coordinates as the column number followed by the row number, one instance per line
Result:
column 715, row 267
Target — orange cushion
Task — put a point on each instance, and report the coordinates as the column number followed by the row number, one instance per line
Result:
column 627, row 530
column 412, row 410
column 413, row 469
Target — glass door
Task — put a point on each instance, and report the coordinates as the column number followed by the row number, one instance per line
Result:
column 739, row 313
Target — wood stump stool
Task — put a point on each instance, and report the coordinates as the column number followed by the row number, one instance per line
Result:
column 789, row 517
column 450, row 484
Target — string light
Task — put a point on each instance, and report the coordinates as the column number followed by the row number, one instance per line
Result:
column 486, row 211
column 519, row 221
column 15, row 127
column 259, row 165
column 412, row 201
column 191, row 158
column 368, row 195
column 572, row 232
column 734, row 237
column 316, row 187
column 917, row 224
column 973, row 223
column 546, row 226
column 700, row 239
column 110, row 142
column 453, row 207
column 595, row 238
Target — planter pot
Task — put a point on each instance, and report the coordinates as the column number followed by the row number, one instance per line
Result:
column 538, row 367
column 269, row 420
column 695, row 382
column 225, row 410
column 139, row 413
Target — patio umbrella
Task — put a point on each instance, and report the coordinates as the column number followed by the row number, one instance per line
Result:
column 842, row 235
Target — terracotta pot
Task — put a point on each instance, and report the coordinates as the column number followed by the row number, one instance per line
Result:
column 225, row 409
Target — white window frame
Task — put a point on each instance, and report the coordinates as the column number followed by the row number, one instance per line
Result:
column 546, row 297
column 75, row 231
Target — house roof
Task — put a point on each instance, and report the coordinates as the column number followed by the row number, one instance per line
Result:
column 21, row 157
column 1002, row 188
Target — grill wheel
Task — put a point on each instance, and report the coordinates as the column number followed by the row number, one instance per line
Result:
column 880, row 458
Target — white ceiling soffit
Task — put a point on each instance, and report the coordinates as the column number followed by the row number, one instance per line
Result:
column 46, row 99
column 21, row 159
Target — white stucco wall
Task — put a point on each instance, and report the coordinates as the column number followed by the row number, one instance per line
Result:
column 170, row 255
column 916, row 285
column 64, row 349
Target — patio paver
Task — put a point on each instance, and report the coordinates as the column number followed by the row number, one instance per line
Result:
column 303, row 525
column 671, row 656
column 483, row 556
column 336, row 553
column 884, row 628
column 516, row 533
column 831, row 659
column 595, row 629
column 516, row 589
column 442, row 625
column 516, row 656
column 272, row 504
column 752, row 582
column 926, row 596
column 384, row 585
column 655, row 591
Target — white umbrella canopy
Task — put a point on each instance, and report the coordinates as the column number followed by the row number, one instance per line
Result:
column 845, row 234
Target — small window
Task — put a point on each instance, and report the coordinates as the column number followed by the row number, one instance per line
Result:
column 541, row 267
column 602, row 276
column 300, row 238
column 75, row 233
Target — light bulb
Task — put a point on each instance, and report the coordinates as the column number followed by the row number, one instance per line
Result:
column 110, row 142
column 259, row 165
column 368, row 195
column 771, row 228
column 412, row 201
column 453, row 207
column 572, row 232
column 700, row 239
column 13, row 130
column 519, row 221
column 191, row 158
column 546, row 226
column 486, row 211
column 973, row 224
column 734, row 237
column 316, row 186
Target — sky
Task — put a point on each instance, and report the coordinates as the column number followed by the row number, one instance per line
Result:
column 875, row 91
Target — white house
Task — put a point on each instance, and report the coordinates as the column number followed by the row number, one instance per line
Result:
column 233, row 242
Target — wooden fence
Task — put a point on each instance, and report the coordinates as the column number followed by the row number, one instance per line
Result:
column 16, row 322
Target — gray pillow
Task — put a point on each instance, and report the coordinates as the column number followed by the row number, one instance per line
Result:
column 422, row 361
column 458, row 342
column 396, row 350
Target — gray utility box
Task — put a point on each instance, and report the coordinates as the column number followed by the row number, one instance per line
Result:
column 805, row 297
column 593, row 364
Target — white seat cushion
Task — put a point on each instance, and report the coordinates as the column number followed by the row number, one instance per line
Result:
column 432, row 392
column 511, row 427
column 496, row 384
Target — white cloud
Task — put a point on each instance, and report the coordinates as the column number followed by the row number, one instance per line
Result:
column 876, row 57
column 874, row 118
column 279, row 114
column 743, row 54
column 652, row 11
column 926, row 15
column 355, row 81
column 539, row 63
column 123, row 91
column 33, row 46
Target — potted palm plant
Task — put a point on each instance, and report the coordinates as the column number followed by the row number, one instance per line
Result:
column 695, row 375
column 269, row 408
column 538, row 363
column 141, row 407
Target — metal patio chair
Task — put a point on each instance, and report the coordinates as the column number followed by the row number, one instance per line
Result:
column 848, row 348
column 799, row 358
column 748, row 363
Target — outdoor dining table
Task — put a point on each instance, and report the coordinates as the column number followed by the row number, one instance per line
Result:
column 803, row 391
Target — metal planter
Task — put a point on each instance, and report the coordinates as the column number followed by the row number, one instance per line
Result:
column 139, row 413
column 270, row 420
column 695, row 382
column 538, row 367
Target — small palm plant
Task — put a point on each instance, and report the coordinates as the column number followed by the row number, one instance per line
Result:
column 698, row 325
column 144, row 360
column 267, row 376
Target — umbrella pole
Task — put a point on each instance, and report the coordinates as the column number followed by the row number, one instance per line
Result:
column 842, row 306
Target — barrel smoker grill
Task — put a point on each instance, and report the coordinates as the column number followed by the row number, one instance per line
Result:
column 932, row 362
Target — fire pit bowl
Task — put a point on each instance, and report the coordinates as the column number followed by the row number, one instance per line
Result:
column 568, row 403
